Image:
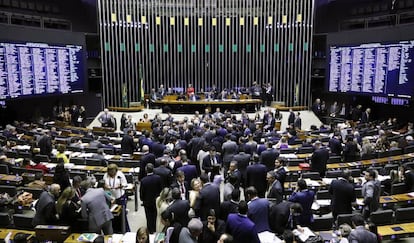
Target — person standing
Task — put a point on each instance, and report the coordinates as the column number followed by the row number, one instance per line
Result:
column 371, row 190
column 45, row 207
column 305, row 198
column 241, row 227
column 258, row 210
column 319, row 159
column 360, row 233
column 151, row 186
column 343, row 195
column 106, row 119
column 95, row 208
column 115, row 180
column 127, row 143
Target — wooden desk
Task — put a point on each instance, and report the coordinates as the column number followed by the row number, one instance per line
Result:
column 180, row 106
column 11, row 180
column 396, row 230
column 5, row 232
column 361, row 163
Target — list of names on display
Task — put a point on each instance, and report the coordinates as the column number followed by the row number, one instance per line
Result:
column 38, row 68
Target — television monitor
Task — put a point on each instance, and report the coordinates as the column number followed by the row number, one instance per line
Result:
column 385, row 69
column 34, row 68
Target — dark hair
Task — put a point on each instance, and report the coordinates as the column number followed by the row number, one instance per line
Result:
column 235, row 195
column 175, row 193
column 357, row 219
column 251, row 191
column 302, row 184
column 243, row 208
column 288, row 236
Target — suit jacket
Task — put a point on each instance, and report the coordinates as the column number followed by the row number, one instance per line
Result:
column 291, row 118
column 243, row 160
column 343, row 195
column 259, row 213
column 157, row 149
column 275, row 192
column 208, row 236
column 208, row 198
column 365, row 117
column 268, row 158
column 127, row 144
column 180, row 209
column 304, row 198
column 150, row 189
column 298, row 123
column 242, row 229
column 256, row 176
column 281, row 175
column 336, row 146
column 228, row 150
column 190, row 172
column 371, row 191
column 207, row 166
column 95, row 207
column 195, row 145
column 319, row 159
column 175, row 184
column 145, row 159
column 228, row 207
column 45, row 210
column 165, row 174
column 360, row 234
column 351, row 151
column 279, row 216
column 45, row 145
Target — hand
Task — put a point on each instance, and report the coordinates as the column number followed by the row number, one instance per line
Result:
column 211, row 227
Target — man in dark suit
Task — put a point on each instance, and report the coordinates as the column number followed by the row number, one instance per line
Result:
column 181, row 184
column 190, row 171
column 230, row 206
column 194, row 145
column 335, row 144
column 319, row 159
column 151, row 186
column 157, row 147
column 146, row 158
column 45, row 207
column 45, row 144
column 208, row 198
column 280, row 172
column 242, row 160
column 241, row 227
column 305, row 198
column 127, row 143
column 297, row 124
column 343, row 195
column 274, row 191
column 291, row 118
column 256, row 176
column 366, row 116
column 235, row 173
column 179, row 207
column 95, row 208
column 284, row 216
column 211, row 160
column 269, row 156
column 228, row 150
column 409, row 178
column 164, row 172
column 360, row 233
column 258, row 210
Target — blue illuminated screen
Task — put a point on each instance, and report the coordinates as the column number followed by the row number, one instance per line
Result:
column 373, row 69
column 28, row 69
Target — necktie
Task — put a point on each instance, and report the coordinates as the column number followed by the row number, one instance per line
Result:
column 182, row 188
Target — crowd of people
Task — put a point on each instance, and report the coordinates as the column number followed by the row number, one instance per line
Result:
column 215, row 176
column 256, row 91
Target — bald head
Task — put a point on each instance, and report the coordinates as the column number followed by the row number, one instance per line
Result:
column 145, row 148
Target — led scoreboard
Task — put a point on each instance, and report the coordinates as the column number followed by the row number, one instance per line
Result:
column 373, row 69
column 28, row 69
